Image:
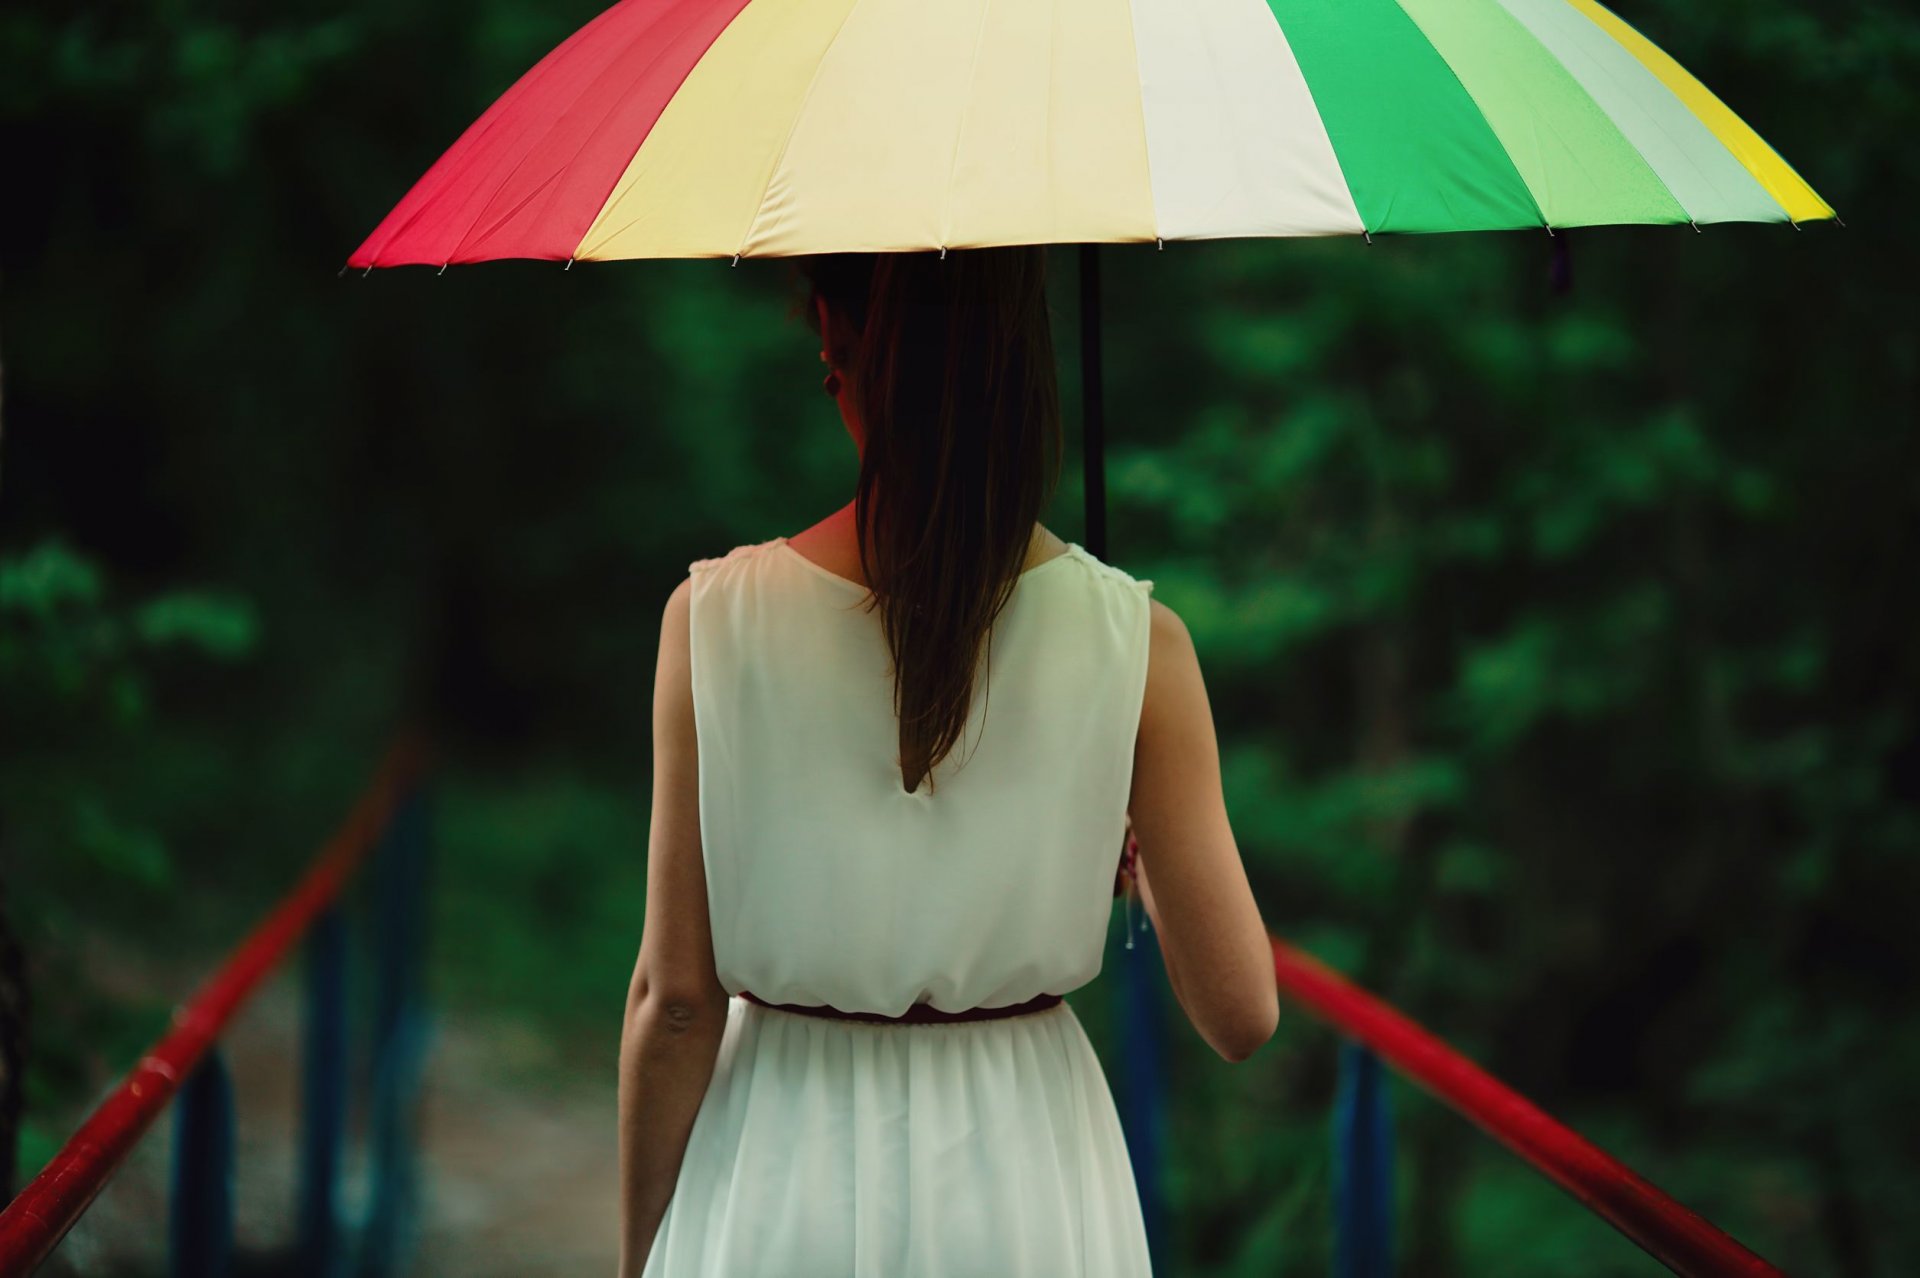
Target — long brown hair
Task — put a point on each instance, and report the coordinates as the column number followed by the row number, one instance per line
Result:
column 950, row 365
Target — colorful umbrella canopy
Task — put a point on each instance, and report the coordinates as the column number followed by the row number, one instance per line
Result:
column 751, row 128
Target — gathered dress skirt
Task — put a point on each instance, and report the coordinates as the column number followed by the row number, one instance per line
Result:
column 842, row 1149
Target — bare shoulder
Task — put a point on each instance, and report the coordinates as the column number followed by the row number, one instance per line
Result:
column 1170, row 644
column 1167, row 627
column 674, row 617
column 673, row 674
column 1174, row 704
column 679, row 600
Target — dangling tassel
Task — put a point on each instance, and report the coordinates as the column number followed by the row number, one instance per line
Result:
column 1560, row 267
column 1126, row 882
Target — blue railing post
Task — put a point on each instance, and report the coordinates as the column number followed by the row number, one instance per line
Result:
column 323, row 1117
column 200, row 1228
column 1142, row 1088
column 1362, row 1168
column 399, row 1037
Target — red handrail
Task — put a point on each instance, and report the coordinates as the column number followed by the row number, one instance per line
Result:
column 1668, row 1231
column 35, row 1222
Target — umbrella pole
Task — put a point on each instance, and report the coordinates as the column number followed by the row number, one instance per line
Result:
column 1094, row 442
column 1137, row 994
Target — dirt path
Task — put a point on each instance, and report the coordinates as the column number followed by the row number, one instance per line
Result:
column 521, row 1179
column 519, row 1176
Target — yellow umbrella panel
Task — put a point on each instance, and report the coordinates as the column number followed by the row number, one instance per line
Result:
column 716, row 128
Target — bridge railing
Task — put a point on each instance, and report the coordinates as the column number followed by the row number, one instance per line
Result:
column 1375, row 1031
column 388, row 825
column 1363, row 1202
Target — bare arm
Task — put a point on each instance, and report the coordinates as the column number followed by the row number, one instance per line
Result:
column 1191, row 877
column 676, row 1007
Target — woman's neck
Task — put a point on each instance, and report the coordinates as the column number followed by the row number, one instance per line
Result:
column 833, row 543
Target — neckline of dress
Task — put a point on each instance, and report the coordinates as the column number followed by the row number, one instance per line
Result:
column 1073, row 548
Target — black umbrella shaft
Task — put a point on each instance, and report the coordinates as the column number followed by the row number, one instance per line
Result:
column 1093, row 402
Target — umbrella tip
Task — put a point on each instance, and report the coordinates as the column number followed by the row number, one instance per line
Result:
column 442, row 271
column 1837, row 222
column 342, row 273
column 1366, row 236
column 943, row 252
column 569, row 265
column 1695, row 225
column 1159, row 245
column 736, row 260
column 368, row 271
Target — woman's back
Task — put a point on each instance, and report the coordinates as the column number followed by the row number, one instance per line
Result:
column 992, row 882
column 826, row 1147
column 886, row 830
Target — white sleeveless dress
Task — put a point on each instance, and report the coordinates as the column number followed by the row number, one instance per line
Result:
column 846, row 1149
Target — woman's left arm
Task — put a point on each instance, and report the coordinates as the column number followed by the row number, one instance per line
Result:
column 676, row 1006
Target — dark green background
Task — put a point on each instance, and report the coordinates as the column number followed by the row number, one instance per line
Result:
column 1563, row 648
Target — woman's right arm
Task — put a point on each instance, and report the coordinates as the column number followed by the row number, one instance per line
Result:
column 1218, row 958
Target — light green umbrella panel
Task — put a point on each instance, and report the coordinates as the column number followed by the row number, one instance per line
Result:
column 715, row 128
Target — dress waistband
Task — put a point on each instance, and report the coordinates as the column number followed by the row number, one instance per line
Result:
column 918, row 1014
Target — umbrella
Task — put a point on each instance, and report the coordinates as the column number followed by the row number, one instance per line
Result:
column 769, row 128
column 765, row 128
column 712, row 128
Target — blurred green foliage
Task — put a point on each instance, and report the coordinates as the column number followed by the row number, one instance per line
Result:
column 1563, row 648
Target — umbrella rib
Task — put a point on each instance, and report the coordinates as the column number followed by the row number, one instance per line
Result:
column 1681, row 149
column 960, row 126
column 687, row 14
column 1578, row 154
column 1146, row 146
column 533, row 147
column 792, row 127
column 494, row 118
column 469, row 235
column 1481, row 111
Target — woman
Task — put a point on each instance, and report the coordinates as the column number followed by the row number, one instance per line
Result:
column 895, row 757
